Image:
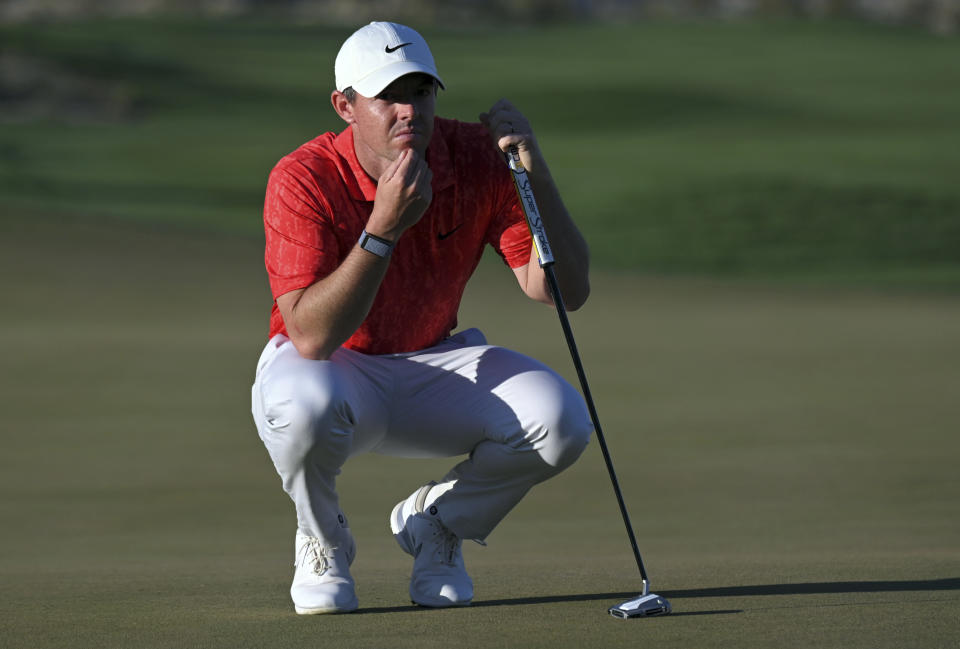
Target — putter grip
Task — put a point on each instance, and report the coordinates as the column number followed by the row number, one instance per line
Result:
column 525, row 192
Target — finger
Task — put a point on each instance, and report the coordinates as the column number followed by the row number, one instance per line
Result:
column 510, row 133
column 502, row 108
column 510, row 124
column 396, row 167
column 415, row 165
column 499, row 129
column 507, row 142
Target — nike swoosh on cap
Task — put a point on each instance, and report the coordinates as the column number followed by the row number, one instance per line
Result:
column 391, row 50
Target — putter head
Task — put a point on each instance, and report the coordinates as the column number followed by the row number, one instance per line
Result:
column 644, row 606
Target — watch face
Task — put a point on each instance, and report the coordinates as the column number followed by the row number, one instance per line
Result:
column 377, row 247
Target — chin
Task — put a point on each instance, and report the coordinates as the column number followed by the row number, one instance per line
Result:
column 419, row 145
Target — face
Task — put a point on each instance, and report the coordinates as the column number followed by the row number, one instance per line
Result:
column 398, row 118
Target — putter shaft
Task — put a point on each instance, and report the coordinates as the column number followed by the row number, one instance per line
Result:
column 545, row 257
column 575, row 354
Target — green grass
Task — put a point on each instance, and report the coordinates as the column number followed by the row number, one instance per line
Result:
column 788, row 456
column 787, row 445
column 805, row 150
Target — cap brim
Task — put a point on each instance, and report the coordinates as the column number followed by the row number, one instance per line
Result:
column 374, row 83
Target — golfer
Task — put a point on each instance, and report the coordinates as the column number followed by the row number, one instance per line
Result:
column 371, row 236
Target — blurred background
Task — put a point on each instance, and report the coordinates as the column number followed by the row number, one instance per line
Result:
column 770, row 193
column 814, row 138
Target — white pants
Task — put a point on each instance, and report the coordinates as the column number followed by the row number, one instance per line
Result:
column 519, row 421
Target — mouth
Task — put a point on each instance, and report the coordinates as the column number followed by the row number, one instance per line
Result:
column 408, row 135
column 409, row 132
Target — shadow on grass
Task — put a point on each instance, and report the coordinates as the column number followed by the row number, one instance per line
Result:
column 611, row 598
column 814, row 588
column 820, row 588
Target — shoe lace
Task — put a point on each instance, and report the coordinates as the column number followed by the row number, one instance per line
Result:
column 447, row 544
column 313, row 551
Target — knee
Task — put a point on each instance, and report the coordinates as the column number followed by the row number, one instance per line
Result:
column 307, row 413
column 567, row 428
column 572, row 433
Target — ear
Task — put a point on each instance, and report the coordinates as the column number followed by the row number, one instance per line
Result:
column 343, row 106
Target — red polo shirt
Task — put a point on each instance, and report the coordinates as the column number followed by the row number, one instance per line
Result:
column 319, row 199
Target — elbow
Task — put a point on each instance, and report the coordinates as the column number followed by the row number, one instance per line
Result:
column 313, row 339
column 579, row 297
column 314, row 353
column 576, row 282
column 573, row 297
column 573, row 294
column 311, row 348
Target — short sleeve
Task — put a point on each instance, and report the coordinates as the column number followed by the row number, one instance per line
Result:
column 508, row 233
column 301, row 246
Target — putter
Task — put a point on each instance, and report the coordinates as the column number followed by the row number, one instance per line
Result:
column 647, row 604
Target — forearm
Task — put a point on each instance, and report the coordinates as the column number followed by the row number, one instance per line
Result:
column 570, row 250
column 320, row 318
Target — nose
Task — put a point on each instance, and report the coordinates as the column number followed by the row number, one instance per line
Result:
column 407, row 108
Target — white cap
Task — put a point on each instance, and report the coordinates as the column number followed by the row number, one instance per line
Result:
column 380, row 53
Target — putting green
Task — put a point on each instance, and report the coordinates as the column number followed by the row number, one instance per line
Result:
column 788, row 455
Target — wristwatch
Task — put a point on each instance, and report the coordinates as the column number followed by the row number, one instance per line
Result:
column 376, row 245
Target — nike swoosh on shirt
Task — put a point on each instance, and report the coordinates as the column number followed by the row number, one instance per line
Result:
column 444, row 235
column 391, row 50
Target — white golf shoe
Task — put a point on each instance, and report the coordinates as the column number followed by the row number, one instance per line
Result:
column 439, row 576
column 322, row 581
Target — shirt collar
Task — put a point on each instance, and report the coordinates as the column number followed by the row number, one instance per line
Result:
column 362, row 187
